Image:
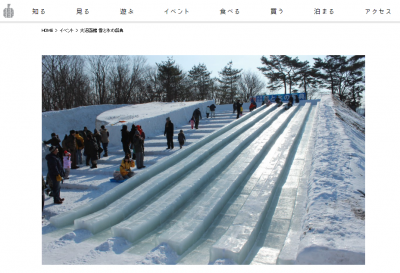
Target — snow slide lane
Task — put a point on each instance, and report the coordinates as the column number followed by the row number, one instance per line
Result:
column 117, row 192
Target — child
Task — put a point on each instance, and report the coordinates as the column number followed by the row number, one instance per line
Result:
column 192, row 122
column 208, row 111
column 67, row 164
column 181, row 138
column 125, row 168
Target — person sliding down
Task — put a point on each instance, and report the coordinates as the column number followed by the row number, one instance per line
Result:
column 125, row 168
column 290, row 103
column 278, row 101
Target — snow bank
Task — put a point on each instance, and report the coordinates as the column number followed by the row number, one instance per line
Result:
column 151, row 116
column 334, row 221
column 61, row 122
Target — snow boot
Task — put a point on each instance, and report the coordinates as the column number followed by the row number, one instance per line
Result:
column 94, row 166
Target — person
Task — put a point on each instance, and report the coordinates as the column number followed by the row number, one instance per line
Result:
column 234, row 106
column 104, row 139
column 43, row 187
column 91, row 151
column 212, row 108
column 208, row 111
column 252, row 106
column 125, row 139
column 191, row 121
column 142, row 135
column 80, row 144
column 97, row 139
column 55, row 141
column 278, row 101
column 86, row 132
column 70, row 143
column 125, row 167
column 55, row 173
column 138, row 147
column 132, row 133
column 67, row 164
column 297, row 99
column 290, row 101
column 169, row 131
column 181, row 138
column 238, row 106
column 197, row 115
column 266, row 101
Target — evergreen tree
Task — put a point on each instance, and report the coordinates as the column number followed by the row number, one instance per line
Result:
column 229, row 78
column 170, row 77
column 201, row 81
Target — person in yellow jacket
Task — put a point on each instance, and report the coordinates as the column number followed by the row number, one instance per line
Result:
column 79, row 147
column 125, row 168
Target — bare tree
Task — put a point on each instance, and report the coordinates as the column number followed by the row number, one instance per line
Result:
column 99, row 66
column 250, row 85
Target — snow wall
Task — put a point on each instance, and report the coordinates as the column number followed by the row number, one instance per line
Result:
column 151, row 116
column 61, row 122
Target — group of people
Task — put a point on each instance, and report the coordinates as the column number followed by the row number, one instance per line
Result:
column 67, row 154
column 133, row 139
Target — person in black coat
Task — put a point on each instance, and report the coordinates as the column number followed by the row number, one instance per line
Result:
column 234, row 106
column 278, row 101
column 290, row 101
column 132, row 134
column 238, row 105
column 212, row 108
column 169, row 132
column 55, row 141
column 97, row 138
column 92, row 151
column 297, row 99
column 125, row 139
column 55, row 173
column 197, row 116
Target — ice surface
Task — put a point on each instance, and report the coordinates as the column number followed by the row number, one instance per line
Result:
column 250, row 223
column 228, row 183
column 117, row 192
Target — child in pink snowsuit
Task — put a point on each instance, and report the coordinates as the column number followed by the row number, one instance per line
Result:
column 67, row 164
column 192, row 122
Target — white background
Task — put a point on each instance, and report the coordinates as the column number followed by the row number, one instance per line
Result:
column 22, row 46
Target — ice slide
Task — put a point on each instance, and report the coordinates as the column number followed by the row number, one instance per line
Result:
column 184, row 206
column 109, row 197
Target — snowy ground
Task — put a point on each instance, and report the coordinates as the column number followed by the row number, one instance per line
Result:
column 326, row 220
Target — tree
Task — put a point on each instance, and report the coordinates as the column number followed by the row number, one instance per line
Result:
column 99, row 66
column 344, row 75
column 201, row 81
column 250, row 85
column 308, row 77
column 229, row 78
column 170, row 76
column 281, row 71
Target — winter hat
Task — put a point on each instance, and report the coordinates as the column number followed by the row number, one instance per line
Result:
column 52, row 149
column 66, row 153
column 53, row 134
column 181, row 131
column 72, row 132
column 168, row 118
column 102, row 126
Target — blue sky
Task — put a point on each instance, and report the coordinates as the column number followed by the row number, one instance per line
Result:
column 217, row 63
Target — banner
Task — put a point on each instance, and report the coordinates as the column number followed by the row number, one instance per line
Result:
column 284, row 97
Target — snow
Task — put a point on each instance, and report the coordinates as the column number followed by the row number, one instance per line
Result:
column 150, row 116
column 318, row 218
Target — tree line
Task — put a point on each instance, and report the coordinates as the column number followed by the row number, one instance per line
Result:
column 72, row 81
